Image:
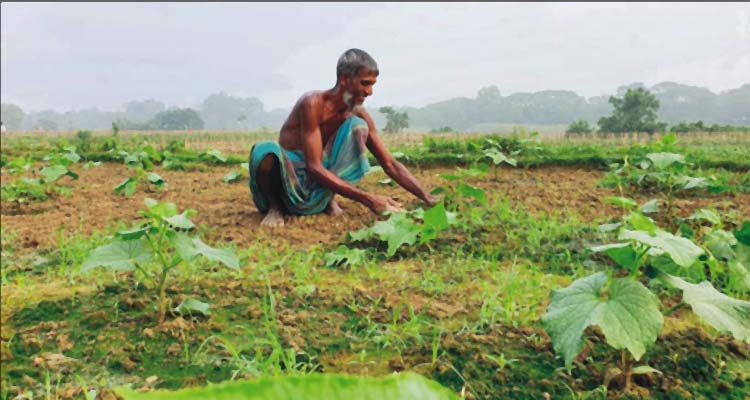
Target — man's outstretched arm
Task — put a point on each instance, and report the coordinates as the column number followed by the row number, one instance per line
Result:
column 392, row 167
column 312, row 145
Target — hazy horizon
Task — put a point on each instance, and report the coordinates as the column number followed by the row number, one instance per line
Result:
column 69, row 56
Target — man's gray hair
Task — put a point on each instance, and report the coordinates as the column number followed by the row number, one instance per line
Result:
column 352, row 60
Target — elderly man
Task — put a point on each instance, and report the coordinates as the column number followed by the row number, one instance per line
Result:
column 321, row 151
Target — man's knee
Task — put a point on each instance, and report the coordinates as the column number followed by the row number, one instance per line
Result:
column 267, row 164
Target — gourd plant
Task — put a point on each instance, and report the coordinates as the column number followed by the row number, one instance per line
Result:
column 139, row 162
column 404, row 228
column 155, row 248
column 625, row 310
column 24, row 189
column 494, row 152
column 663, row 171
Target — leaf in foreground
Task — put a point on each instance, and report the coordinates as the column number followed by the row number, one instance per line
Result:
column 405, row 386
column 119, row 256
column 717, row 309
column 629, row 316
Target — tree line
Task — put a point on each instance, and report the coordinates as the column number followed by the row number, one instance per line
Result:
column 637, row 111
column 677, row 103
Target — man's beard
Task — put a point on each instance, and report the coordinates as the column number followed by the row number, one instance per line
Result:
column 349, row 100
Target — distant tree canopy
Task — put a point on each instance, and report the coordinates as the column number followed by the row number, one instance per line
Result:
column 489, row 94
column 579, row 126
column 12, row 116
column 677, row 103
column 635, row 112
column 396, row 121
column 698, row 126
column 176, row 119
column 222, row 111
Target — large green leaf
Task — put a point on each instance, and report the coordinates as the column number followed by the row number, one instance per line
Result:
column 435, row 220
column 134, row 233
column 164, row 209
column 436, row 217
column 709, row 215
column 498, row 157
column 189, row 305
column 181, row 221
column 345, row 256
column 739, row 275
column 623, row 202
column 467, row 190
column 689, row 182
column 683, row 251
column 188, row 248
column 664, row 160
column 622, row 253
column 629, row 316
column 405, row 386
column 127, row 187
column 53, row 172
column 216, row 155
column 720, row 243
column 715, row 308
column 72, row 157
column 154, row 178
column 650, row 207
column 743, row 234
column 641, row 222
column 398, row 230
column 232, row 176
column 118, row 256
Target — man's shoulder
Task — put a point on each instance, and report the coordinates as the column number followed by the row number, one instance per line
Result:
column 311, row 98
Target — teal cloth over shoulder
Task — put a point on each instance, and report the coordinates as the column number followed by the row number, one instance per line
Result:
column 344, row 155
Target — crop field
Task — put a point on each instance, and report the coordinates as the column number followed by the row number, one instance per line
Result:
column 552, row 268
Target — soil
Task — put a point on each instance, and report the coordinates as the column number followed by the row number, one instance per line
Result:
column 230, row 213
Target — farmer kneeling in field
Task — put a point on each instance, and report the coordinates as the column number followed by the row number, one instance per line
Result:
column 321, row 151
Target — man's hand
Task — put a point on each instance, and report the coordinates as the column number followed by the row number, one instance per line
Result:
column 380, row 204
column 431, row 200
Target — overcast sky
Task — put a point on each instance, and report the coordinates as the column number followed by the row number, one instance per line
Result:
column 69, row 56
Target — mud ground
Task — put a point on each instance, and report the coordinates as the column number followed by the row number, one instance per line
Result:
column 229, row 214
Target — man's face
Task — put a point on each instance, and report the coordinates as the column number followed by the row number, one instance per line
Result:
column 359, row 87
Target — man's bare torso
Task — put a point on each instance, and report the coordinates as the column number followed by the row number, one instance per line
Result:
column 330, row 119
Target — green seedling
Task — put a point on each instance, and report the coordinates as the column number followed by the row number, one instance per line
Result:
column 156, row 247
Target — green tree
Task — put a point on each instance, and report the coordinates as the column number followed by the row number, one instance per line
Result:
column 12, row 116
column 579, row 126
column 635, row 112
column 176, row 119
column 397, row 121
